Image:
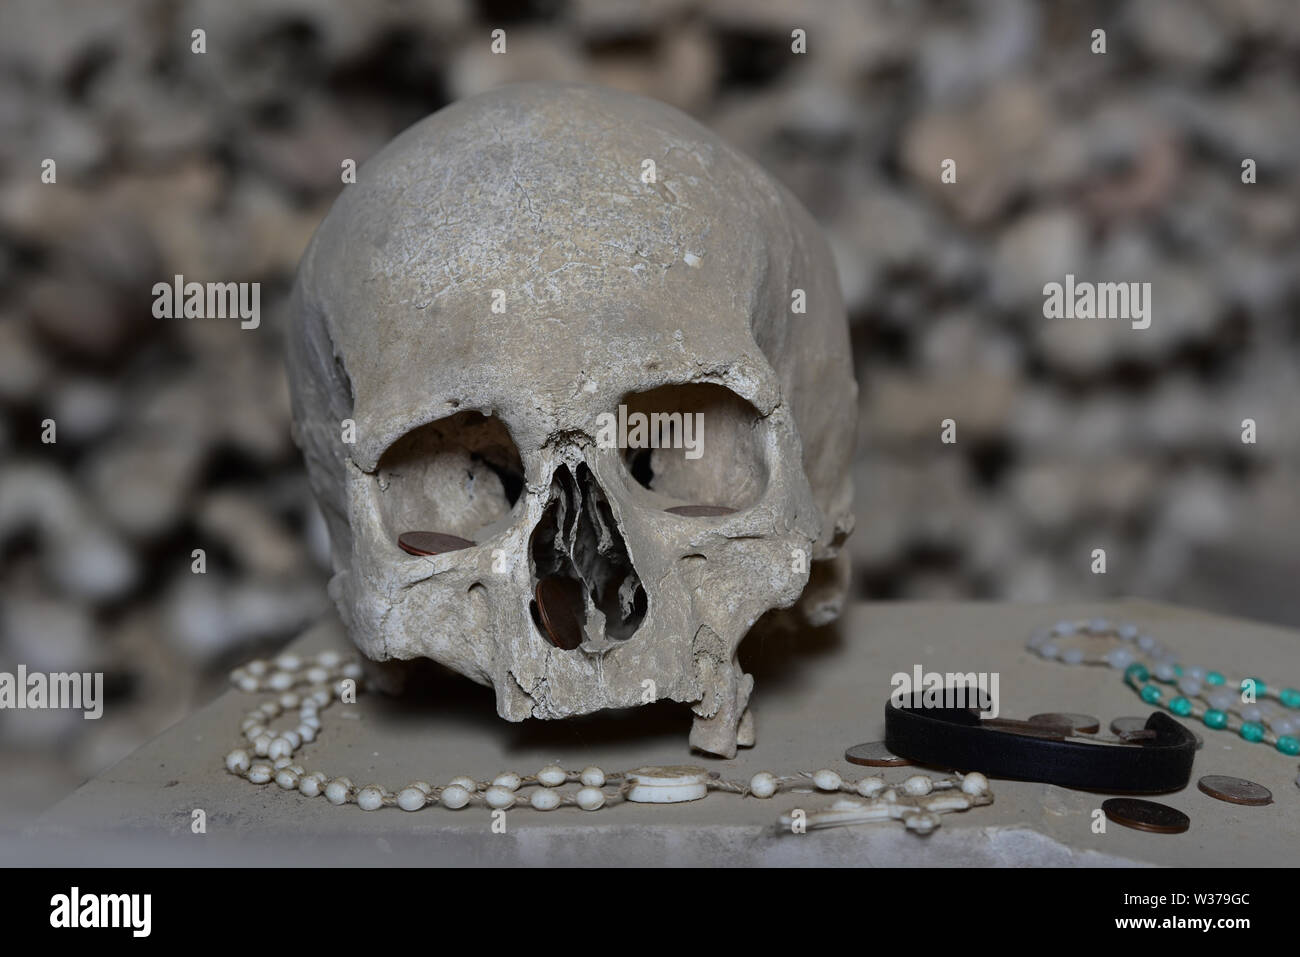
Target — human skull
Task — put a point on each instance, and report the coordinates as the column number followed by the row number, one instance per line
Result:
column 500, row 275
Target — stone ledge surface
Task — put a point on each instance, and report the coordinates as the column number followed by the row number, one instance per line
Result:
column 815, row 695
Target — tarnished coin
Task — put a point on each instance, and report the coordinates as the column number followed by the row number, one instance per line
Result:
column 874, row 754
column 561, row 610
column 699, row 511
column 1133, row 731
column 1146, row 815
column 1235, row 790
column 1083, row 723
column 1122, row 726
column 431, row 543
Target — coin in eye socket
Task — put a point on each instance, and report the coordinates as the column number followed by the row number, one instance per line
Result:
column 1082, row 723
column 700, row 511
column 561, row 610
column 1146, row 815
column 1235, row 790
column 874, row 754
column 431, row 543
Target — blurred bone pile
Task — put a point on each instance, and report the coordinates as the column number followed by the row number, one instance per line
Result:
column 1071, row 435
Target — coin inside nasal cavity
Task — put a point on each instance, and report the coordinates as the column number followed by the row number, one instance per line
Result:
column 431, row 543
column 561, row 610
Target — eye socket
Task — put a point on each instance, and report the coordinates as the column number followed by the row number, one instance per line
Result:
column 693, row 445
column 456, row 476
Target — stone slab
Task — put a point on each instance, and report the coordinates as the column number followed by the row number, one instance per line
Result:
column 816, row 694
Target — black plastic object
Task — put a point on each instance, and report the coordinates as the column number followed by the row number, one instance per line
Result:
column 959, row 739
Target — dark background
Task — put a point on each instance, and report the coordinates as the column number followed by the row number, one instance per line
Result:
column 1125, row 166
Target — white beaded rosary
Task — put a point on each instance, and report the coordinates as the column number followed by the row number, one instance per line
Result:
column 327, row 677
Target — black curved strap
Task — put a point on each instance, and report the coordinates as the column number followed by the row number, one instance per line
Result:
column 957, row 738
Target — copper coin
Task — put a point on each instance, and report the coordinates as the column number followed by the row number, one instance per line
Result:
column 1235, row 790
column 1146, row 815
column 431, row 543
column 699, row 511
column 1083, row 723
column 874, row 754
column 561, row 609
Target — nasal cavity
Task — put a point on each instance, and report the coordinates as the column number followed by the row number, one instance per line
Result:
column 580, row 563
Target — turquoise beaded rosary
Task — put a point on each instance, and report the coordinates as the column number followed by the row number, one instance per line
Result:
column 1208, row 696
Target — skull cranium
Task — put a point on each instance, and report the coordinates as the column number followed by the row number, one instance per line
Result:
column 501, row 275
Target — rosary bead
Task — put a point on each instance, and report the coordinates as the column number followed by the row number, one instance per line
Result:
column 1251, row 712
column 870, row 787
column 271, row 709
column 1189, row 686
column 917, row 785
column 455, row 797
column 591, row 798
column 1284, row 725
column 1213, row 678
column 287, row 778
column 336, row 792
column 1145, row 642
column 1049, row 650
column 312, row 784
column 545, row 799
column 289, row 700
column 510, row 781
column 256, row 667
column 260, row 773
column 279, row 748
column 1289, row 697
column 321, row 696
column 1098, row 626
column 1197, row 673
column 1127, row 632
column 974, row 784
column 237, row 761
column 1072, row 656
column 1221, row 699
column 370, row 798
column 316, row 675
column 1163, row 671
column 1255, row 685
column 593, row 777
column 306, row 733
column 1251, row 731
column 288, row 662
column 1288, row 744
column 763, row 784
column 329, row 659
column 280, row 681
column 282, row 762
column 262, row 744
column 464, row 781
column 1064, row 627
column 827, row 780
column 1214, row 718
column 411, row 798
column 499, row 797
column 1150, row 694
column 351, row 670
column 1180, row 706
column 1121, row 658
column 552, row 776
